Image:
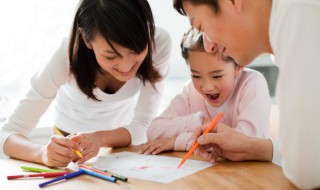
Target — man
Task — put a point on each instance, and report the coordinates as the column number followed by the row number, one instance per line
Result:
column 288, row 29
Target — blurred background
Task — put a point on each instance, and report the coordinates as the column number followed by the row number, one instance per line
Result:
column 31, row 30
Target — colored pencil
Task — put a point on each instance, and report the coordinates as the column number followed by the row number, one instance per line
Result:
column 33, row 169
column 62, row 178
column 196, row 144
column 57, row 132
column 43, row 175
column 99, row 175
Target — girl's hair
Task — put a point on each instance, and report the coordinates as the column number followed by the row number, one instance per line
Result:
column 193, row 41
column 177, row 4
column 128, row 23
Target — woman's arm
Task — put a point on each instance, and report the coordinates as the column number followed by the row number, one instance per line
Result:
column 56, row 153
column 44, row 86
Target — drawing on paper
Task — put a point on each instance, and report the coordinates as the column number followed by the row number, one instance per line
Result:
column 148, row 167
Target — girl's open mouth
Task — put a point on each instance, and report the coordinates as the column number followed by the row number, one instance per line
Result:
column 213, row 97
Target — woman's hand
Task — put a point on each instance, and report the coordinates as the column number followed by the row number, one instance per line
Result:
column 89, row 143
column 58, row 152
column 157, row 146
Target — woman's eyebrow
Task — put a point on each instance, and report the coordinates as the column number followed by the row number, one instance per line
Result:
column 109, row 51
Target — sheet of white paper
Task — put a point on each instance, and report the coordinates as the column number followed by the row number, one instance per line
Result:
column 148, row 167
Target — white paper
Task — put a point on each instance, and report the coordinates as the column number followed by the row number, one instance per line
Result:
column 148, row 167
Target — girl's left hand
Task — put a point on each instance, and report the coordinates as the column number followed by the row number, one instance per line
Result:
column 157, row 146
column 89, row 144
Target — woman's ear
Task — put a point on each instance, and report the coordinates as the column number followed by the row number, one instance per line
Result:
column 89, row 46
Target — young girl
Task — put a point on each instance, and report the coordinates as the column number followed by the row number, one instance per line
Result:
column 106, row 83
column 218, row 85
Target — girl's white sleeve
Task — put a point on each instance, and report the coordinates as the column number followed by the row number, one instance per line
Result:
column 43, row 88
column 150, row 98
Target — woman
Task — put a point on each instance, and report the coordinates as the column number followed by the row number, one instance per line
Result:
column 106, row 83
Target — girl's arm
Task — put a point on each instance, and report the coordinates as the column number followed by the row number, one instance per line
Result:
column 253, row 106
column 180, row 118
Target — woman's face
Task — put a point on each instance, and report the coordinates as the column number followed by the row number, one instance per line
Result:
column 213, row 78
column 123, row 67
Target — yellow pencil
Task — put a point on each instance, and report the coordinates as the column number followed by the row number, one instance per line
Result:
column 57, row 132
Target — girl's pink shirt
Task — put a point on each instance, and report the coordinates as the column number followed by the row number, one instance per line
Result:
column 247, row 110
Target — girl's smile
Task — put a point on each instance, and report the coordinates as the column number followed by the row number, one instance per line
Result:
column 213, row 76
column 214, row 98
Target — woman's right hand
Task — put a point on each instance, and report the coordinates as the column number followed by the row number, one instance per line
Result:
column 59, row 151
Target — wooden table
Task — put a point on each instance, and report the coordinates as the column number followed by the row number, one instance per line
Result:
column 224, row 175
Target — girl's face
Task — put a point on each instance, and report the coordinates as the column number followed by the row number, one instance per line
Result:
column 213, row 78
column 123, row 67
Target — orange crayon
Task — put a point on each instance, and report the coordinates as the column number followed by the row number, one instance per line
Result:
column 196, row 144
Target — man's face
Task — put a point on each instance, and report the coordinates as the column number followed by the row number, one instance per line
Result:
column 230, row 31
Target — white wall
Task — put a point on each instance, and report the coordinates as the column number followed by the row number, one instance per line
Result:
column 167, row 17
column 32, row 29
column 30, row 32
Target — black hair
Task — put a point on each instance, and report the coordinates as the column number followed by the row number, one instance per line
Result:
column 177, row 4
column 128, row 23
column 192, row 40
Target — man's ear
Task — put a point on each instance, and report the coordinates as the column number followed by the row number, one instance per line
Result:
column 89, row 46
column 238, row 5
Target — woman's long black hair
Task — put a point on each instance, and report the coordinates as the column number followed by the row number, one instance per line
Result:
column 128, row 23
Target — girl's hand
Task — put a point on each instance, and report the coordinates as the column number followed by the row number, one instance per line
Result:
column 58, row 151
column 89, row 145
column 157, row 146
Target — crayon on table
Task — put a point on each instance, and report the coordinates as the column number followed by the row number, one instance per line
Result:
column 105, row 172
column 120, row 177
column 65, row 177
column 196, row 144
column 56, row 131
column 33, row 169
column 94, row 169
column 99, row 175
column 44, row 175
